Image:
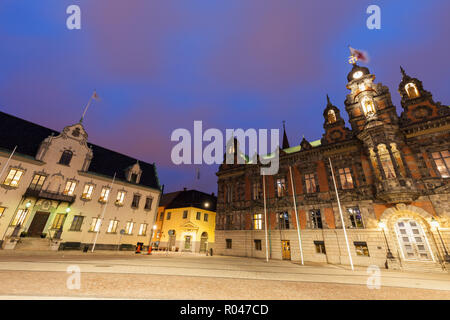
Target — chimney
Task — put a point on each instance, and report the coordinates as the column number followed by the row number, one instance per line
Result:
column 184, row 189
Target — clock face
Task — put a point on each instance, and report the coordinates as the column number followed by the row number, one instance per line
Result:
column 357, row 75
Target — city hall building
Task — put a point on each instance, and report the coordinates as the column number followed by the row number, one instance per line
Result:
column 393, row 180
column 57, row 191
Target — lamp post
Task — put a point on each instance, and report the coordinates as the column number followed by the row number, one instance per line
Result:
column 389, row 254
column 435, row 224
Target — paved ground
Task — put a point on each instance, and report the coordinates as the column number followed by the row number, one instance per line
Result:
column 159, row 276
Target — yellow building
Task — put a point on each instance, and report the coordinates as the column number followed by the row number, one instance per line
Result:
column 186, row 221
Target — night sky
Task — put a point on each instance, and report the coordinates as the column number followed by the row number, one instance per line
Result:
column 160, row 65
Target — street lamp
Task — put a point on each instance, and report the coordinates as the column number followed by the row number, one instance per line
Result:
column 435, row 224
column 206, row 204
column 28, row 204
column 389, row 255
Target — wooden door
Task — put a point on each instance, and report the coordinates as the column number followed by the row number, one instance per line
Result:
column 38, row 224
column 286, row 250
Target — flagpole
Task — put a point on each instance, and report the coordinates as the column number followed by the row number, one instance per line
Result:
column 265, row 216
column 103, row 211
column 296, row 216
column 7, row 161
column 94, row 94
column 342, row 218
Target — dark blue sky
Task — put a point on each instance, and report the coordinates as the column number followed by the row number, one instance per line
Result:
column 160, row 65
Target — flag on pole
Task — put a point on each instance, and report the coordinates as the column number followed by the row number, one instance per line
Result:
column 360, row 55
column 95, row 96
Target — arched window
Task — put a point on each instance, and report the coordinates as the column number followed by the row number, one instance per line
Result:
column 368, row 106
column 412, row 91
column 331, row 116
column 66, row 157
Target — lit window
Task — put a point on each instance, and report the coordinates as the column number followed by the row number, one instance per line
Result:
column 355, row 217
column 70, row 187
column 316, row 219
column 87, row 192
column 112, row 227
column 281, row 187
column 120, row 197
column 412, row 91
column 37, row 182
column 20, row 217
column 143, row 229
column 58, row 222
column 442, row 161
column 320, row 247
column 13, row 177
column 76, row 223
column 283, row 220
column 257, row 221
column 361, row 249
column 345, row 178
column 310, row 182
column 2, row 209
column 129, row 227
column 104, row 194
column 331, row 116
column 66, row 157
column 368, row 106
column 95, row 225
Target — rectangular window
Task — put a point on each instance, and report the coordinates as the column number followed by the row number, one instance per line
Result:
column 169, row 214
column 143, row 229
column 256, row 190
column 2, row 210
column 228, row 222
column 229, row 194
column 95, row 225
column 136, row 199
column 258, row 245
column 120, row 197
column 442, row 161
column 70, row 188
column 148, row 203
column 20, row 217
column 104, row 194
column 316, row 219
column 281, row 187
column 185, row 214
column 129, row 227
column 87, row 192
column 310, row 182
column 320, row 247
column 257, row 221
column 161, row 216
column 112, row 227
column 58, row 222
column 37, row 182
column 76, row 223
column 283, row 220
column 355, row 217
column 13, row 178
column 361, row 249
column 345, row 178
column 229, row 243
column 205, row 217
column 199, row 215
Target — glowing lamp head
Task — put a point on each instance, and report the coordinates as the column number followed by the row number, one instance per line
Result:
column 381, row 225
column 28, row 204
column 68, row 210
column 434, row 223
column 206, row 204
column 154, row 227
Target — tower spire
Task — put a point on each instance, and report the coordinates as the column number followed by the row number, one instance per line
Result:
column 403, row 72
column 285, row 144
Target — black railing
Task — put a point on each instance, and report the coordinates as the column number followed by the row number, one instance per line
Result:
column 49, row 195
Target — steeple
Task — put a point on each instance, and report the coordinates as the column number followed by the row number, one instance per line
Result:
column 285, row 144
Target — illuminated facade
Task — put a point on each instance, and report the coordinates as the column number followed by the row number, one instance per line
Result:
column 392, row 175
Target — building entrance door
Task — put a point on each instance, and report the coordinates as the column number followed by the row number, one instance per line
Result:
column 38, row 224
column 204, row 242
column 412, row 240
column 187, row 243
column 286, row 249
column 172, row 238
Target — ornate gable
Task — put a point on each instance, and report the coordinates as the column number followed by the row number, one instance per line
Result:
column 334, row 125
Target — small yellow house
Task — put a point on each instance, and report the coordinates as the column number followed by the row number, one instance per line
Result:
column 186, row 221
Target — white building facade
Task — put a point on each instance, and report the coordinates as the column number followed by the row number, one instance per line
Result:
column 57, row 191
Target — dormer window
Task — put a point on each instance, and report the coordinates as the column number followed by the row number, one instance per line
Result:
column 133, row 177
column 66, row 157
column 368, row 106
column 134, row 173
column 331, row 117
column 411, row 90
